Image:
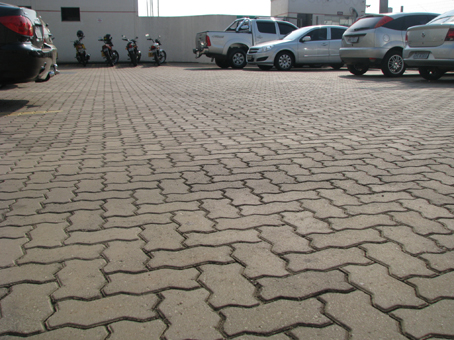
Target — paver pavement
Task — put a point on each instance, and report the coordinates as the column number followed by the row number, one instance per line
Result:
column 190, row 202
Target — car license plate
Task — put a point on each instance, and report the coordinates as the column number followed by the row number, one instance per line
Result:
column 131, row 49
column 150, row 54
column 352, row 40
column 421, row 55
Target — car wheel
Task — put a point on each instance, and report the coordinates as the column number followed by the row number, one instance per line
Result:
column 265, row 67
column 358, row 69
column 430, row 73
column 337, row 66
column 393, row 64
column 237, row 58
column 222, row 63
column 284, row 61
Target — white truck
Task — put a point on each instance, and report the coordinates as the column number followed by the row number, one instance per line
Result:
column 229, row 47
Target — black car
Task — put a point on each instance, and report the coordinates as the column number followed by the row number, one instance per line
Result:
column 27, row 52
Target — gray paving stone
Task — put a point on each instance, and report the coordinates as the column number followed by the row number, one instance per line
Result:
column 80, row 279
column 222, row 237
column 259, row 260
column 364, row 321
column 11, row 250
column 274, row 316
column 47, row 235
column 193, row 221
column 26, row 307
column 51, row 255
column 183, row 310
column 435, row 288
column 284, row 239
column 228, row 286
column 138, row 220
column 440, row 262
column 434, row 319
column 306, row 223
column 103, row 311
column 326, row 259
column 426, row 209
column 28, row 273
column 86, row 220
column 303, row 285
column 105, row 235
column 332, row 332
column 125, row 256
column 360, row 222
column 137, row 330
column 410, row 241
column 163, row 236
column 345, row 238
column 97, row 333
column 153, row 281
column 446, row 241
column 387, row 292
column 248, row 222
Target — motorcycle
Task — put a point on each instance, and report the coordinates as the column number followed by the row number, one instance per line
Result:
column 133, row 50
column 81, row 53
column 107, row 50
column 156, row 51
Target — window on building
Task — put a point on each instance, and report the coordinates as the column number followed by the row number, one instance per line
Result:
column 266, row 27
column 70, row 14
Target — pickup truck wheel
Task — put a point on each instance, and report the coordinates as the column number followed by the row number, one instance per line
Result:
column 237, row 58
column 222, row 63
column 284, row 61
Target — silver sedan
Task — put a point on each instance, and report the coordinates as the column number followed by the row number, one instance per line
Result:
column 430, row 47
column 307, row 46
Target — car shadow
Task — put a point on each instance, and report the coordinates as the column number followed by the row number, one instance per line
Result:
column 8, row 106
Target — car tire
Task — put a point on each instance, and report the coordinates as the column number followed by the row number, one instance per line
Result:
column 237, row 58
column 358, row 69
column 337, row 66
column 431, row 73
column 265, row 67
column 222, row 63
column 284, row 61
column 393, row 64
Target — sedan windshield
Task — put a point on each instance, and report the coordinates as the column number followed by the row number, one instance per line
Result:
column 442, row 20
column 296, row 34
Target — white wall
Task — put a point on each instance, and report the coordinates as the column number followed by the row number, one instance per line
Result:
column 118, row 17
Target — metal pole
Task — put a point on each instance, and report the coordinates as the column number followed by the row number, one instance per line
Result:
column 384, row 6
column 158, row 8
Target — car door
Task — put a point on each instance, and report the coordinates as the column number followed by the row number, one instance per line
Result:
column 266, row 31
column 335, row 42
column 313, row 46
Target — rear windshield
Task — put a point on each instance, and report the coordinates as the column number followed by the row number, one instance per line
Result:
column 365, row 23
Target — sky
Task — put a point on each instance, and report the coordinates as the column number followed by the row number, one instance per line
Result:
column 263, row 7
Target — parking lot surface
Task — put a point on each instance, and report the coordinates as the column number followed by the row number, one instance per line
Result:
column 190, row 202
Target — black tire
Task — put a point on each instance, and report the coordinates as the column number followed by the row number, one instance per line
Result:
column 115, row 57
column 133, row 57
column 358, row 69
column 393, row 64
column 156, row 58
column 431, row 73
column 83, row 59
column 337, row 66
column 237, row 58
column 222, row 63
column 109, row 60
column 265, row 67
column 162, row 56
column 284, row 61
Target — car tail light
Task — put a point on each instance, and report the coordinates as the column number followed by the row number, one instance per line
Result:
column 208, row 41
column 383, row 21
column 19, row 24
column 450, row 35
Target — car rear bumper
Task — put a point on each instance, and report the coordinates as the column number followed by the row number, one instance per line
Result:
column 24, row 63
column 368, row 56
column 420, row 57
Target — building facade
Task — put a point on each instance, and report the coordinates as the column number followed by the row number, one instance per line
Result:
column 319, row 12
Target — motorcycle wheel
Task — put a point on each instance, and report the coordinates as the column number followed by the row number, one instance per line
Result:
column 115, row 57
column 157, row 59
column 133, row 57
column 109, row 59
column 162, row 57
column 84, row 59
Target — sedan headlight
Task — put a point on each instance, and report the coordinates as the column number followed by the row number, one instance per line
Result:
column 265, row 48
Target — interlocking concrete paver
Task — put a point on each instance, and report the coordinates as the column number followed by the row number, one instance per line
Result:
column 135, row 330
column 437, row 319
column 211, row 200
column 154, row 281
column 387, row 293
column 274, row 316
column 303, row 285
column 183, row 310
column 369, row 323
column 26, row 308
column 228, row 286
column 103, row 311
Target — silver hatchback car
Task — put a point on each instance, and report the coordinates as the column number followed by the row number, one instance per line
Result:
column 307, row 46
column 377, row 41
column 431, row 47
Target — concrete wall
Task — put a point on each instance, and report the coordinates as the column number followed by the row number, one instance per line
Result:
column 118, row 18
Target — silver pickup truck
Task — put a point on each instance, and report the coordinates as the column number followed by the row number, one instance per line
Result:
column 229, row 47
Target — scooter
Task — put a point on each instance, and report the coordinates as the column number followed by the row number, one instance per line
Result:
column 133, row 50
column 156, row 51
column 81, row 53
column 107, row 50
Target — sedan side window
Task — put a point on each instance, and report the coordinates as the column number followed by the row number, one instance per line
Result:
column 318, row 34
